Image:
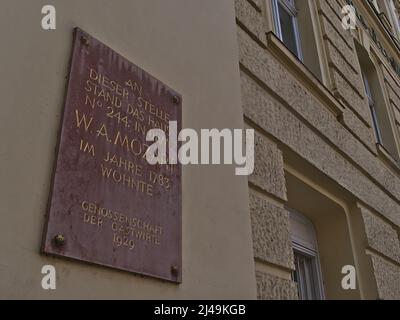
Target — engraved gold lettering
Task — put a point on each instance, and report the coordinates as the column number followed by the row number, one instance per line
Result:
column 80, row 119
column 86, row 147
column 103, row 132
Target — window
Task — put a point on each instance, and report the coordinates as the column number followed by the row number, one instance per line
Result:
column 379, row 110
column 388, row 7
column 287, row 25
column 308, row 271
column 375, row 3
column 394, row 16
column 305, row 276
column 292, row 19
column 372, row 107
column 320, row 233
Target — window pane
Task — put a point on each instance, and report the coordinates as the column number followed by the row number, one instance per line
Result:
column 376, row 124
column 371, row 102
column 306, row 277
column 288, row 30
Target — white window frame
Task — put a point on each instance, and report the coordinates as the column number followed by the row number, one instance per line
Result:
column 372, row 106
column 376, row 5
column 290, row 8
column 304, row 241
column 394, row 16
column 389, row 9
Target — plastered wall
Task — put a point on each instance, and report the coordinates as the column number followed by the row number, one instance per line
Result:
column 189, row 45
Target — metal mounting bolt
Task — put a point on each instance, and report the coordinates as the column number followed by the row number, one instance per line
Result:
column 59, row 240
column 176, row 99
column 174, row 271
column 84, row 41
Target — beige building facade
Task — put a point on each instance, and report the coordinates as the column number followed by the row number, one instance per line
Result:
column 324, row 102
column 322, row 96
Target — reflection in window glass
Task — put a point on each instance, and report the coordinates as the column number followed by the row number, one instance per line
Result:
column 306, row 276
column 286, row 22
column 288, row 30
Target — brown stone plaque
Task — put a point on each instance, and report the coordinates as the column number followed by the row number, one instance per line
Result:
column 108, row 205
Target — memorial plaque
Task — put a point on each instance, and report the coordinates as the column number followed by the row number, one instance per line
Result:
column 108, row 205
